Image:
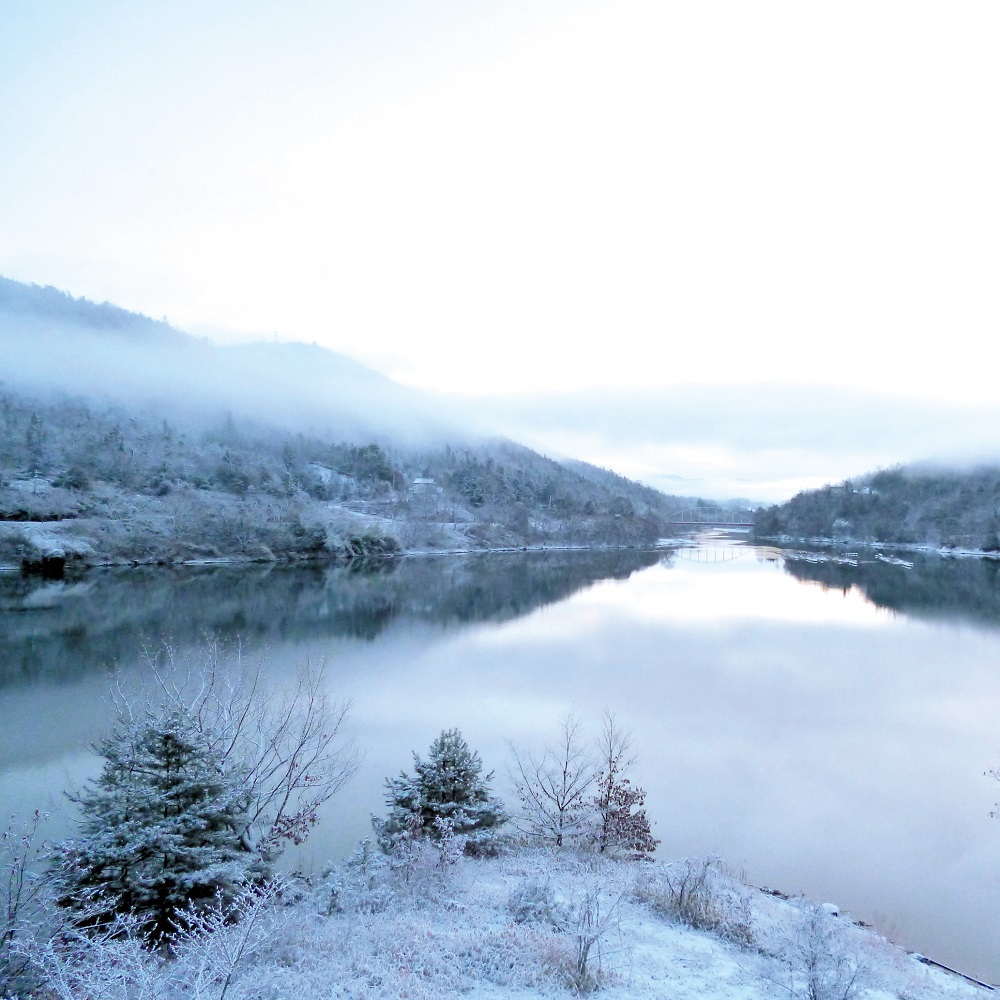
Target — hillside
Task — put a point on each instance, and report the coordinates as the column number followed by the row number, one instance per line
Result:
column 528, row 924
column 124, row 440
column 916, row 504
column 51, row 341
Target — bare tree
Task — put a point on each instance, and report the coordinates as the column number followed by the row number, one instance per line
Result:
column 288, row 746
column 554, row 789
column 21, row 850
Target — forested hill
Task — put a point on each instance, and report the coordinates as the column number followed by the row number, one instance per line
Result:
column 50, row 340
column 37, row 304
column 915, row 504
column 123, row 439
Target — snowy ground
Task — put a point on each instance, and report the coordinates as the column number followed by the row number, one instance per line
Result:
column 532, row 923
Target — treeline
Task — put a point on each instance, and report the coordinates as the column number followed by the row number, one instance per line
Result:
column 156, row 489
column 905, row 505
column 48, row 304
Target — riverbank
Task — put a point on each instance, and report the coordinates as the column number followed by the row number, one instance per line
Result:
column 55, row 549
column 848, row 548
column 53, row 530
column 530, row 923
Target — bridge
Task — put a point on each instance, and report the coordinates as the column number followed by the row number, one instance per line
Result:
column 712, row 553
column 711, row 517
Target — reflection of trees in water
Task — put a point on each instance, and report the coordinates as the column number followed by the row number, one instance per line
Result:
column 58, row 630
column 934, row 588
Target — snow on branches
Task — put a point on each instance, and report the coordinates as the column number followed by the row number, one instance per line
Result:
column 569, row 795
column 447, row 796
column 201, row 789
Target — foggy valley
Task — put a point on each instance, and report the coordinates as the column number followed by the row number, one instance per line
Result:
column 499, row 501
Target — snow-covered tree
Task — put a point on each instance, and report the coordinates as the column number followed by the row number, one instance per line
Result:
column 288, row 746
column 554, row 790
column 199, row 791
column 622, row 823
column 160, row 830
column 21, row 896
column 447, row 796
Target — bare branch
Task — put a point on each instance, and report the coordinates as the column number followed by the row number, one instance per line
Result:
column 289, row 747
column 554, row 788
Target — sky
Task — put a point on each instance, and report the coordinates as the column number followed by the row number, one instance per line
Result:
column 609, row 201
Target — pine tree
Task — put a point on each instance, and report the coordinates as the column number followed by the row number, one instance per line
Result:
column 160, row 829
column 447, row 796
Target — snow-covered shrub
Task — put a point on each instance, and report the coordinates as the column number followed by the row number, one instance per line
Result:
column 822, row 960
column 592, row 930
column 361, row 884
column 448, row 796
column 111, row 963
column 216, row 946
column 701, row 894
column 415, row 874
column 534, row 900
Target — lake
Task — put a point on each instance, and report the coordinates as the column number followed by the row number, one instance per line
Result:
column 824, row 727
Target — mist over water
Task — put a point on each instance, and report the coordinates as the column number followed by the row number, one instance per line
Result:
column 828, row 732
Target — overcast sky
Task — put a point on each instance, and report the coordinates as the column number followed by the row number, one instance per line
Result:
column 538, row 196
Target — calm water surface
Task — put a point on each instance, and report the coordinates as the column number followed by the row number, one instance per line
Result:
column 825, row 727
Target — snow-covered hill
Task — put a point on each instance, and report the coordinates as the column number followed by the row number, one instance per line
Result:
column 531, row 923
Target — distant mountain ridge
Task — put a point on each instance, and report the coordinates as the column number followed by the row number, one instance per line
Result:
column 123, row 439
column 46, row 303
column 51, row 340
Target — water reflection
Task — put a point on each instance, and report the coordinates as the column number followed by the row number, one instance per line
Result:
column 58, row 631
column 827, row 726
column 932, row 587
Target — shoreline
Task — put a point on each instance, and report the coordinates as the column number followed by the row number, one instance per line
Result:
column 853, row 545
column 73, row 566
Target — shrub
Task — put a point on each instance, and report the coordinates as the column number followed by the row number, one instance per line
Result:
column 20, row 894
column 699, row 893
column 534, row 901
column 821, row 962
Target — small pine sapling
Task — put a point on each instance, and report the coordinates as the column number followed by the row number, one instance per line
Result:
column 447, row 796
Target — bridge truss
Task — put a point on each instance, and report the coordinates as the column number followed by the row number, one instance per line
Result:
column 712, row 517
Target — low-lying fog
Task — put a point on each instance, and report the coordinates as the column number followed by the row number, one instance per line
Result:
column 760, row 442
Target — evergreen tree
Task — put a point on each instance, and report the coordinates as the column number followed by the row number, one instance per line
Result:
column 447, row 796
column 160, row 829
